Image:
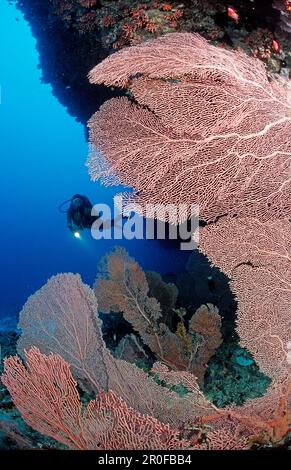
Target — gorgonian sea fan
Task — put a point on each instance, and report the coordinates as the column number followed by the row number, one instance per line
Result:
column 257, row 258
column 62, row 318
column 57, row 410
column 234, row 427
column 123, row 287
column 207, row 126
column 47, row 397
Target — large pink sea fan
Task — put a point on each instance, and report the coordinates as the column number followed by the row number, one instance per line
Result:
column 46, row 395
column 209, row 128
column 257, row 258
column 61, row 317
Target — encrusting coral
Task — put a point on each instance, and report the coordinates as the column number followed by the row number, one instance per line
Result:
column 119, row 24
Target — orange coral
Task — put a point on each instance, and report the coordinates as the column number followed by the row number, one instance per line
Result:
column 66, row 307
column 166, row 7
column 128, row 30
column 151, row 26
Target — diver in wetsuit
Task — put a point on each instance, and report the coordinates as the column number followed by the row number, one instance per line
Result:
column 79, row 213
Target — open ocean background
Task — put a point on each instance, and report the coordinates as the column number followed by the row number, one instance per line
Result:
column 42, row 163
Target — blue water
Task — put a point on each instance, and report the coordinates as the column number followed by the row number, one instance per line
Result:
column 43, row 152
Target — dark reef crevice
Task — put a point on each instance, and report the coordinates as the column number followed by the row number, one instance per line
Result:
column 65, row 58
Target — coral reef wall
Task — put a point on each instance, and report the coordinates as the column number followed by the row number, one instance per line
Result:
column 73, row 36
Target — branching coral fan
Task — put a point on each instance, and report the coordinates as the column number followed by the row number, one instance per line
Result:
column 209, row 128
column 214, row 151
column 125, row 289
column 195, row 131
column 49, row 312
column 227, row 148
column 47, row 397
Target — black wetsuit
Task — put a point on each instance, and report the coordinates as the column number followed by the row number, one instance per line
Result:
column 80, row 217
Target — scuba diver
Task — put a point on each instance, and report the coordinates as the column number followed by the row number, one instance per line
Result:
column 79, row 215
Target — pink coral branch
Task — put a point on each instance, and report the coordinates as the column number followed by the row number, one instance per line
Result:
column 47, row 397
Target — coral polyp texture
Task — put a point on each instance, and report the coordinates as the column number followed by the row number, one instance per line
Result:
column 257, row 258
column 204, row 123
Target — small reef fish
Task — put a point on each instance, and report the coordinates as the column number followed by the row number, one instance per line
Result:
column 275, row 45
column 232, row 13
